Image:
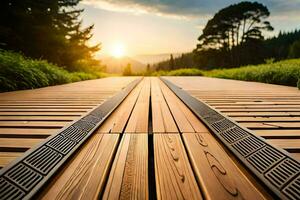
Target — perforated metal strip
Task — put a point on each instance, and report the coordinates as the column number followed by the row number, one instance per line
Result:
column 26, row 175
column 273, row 166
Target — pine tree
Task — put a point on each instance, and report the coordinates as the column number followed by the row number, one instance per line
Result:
column 172, row 64
column 48, row 29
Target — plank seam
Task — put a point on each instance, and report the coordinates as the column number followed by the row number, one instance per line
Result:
column 273, row 166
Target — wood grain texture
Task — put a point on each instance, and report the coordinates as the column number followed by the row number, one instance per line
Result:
column 287, row 144
column 296, row 156
column 138, row 122
column 13, row 132
column 117, row 120
column 38, row 118
column 218, row 176
column 278, row 133
column 7, row 157
column 33, row 124
column 85, row 175
column 185, row 119
column 24, row 143
column 271, row 111
column 29, row 116
column 162, row 120
column 174, row 175
column 128, row 177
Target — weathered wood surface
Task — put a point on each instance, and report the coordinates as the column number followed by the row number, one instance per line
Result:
column 128, row 178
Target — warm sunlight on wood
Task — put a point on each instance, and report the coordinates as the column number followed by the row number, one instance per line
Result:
column 118, row 50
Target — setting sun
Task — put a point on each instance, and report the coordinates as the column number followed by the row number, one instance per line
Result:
column 118, row 50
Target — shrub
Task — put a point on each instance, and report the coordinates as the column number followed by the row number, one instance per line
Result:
column 179, row 72
column 18, row 72
column 283, row 73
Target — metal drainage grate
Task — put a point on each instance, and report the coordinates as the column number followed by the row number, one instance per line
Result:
column 234, row 134
column 43, row 160
column 292, row 190
column 9, row 191
column 25, row 176
column 282, row 173
column 274, row 167
column 265, row 158
column 248, row 145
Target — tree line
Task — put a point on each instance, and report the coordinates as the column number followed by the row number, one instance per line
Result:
column 235, row 37
column 47, row 29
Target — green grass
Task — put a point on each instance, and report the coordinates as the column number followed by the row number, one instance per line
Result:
column 179, row 72
column 18, row 73
column 285, row 72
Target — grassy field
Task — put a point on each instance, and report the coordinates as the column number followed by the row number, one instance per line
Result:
column 285, row 72
column 18, row 72
column 179, row 72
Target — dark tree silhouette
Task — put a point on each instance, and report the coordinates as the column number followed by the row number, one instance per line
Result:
column 172, row 64
column 46, row 29
column 234, row 25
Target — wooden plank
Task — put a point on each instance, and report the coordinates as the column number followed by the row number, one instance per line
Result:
column 128, row 177
column 217, row 174
column 117, row 120
column 162, row 120
column 85, row 175
column 23, row 143
column 270, row 125
column 38, row 118
column 267, row 119
column 41, row 113
column 7, row 157
column 21, row 107
column 27, row 131
column 138, row 121
column 173, row 173
column 278, row 133
column 12, row 110
column 292, row 110
column 296, row 156
column 263, row 107
column 185, row 119
column 175, row 106
column 259, row 114
column 287, row 144
column 39, row 124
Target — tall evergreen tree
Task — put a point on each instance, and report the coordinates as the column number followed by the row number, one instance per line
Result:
column 48, row 29
column 230, row 37
column 171, row 64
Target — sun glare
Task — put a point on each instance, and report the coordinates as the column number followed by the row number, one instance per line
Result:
column 118, row 50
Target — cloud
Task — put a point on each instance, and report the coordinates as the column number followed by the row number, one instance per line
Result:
column 177, row 8
column 187, row 8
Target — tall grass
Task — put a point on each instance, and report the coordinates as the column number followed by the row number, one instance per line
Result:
column 179, row 72
column 18, row 72
column 285, row 72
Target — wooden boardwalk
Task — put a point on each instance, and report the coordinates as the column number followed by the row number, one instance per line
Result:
column 28, row 117
column 271, row 111
column 152, row 145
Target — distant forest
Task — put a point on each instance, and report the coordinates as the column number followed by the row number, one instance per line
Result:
column 234, row 37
